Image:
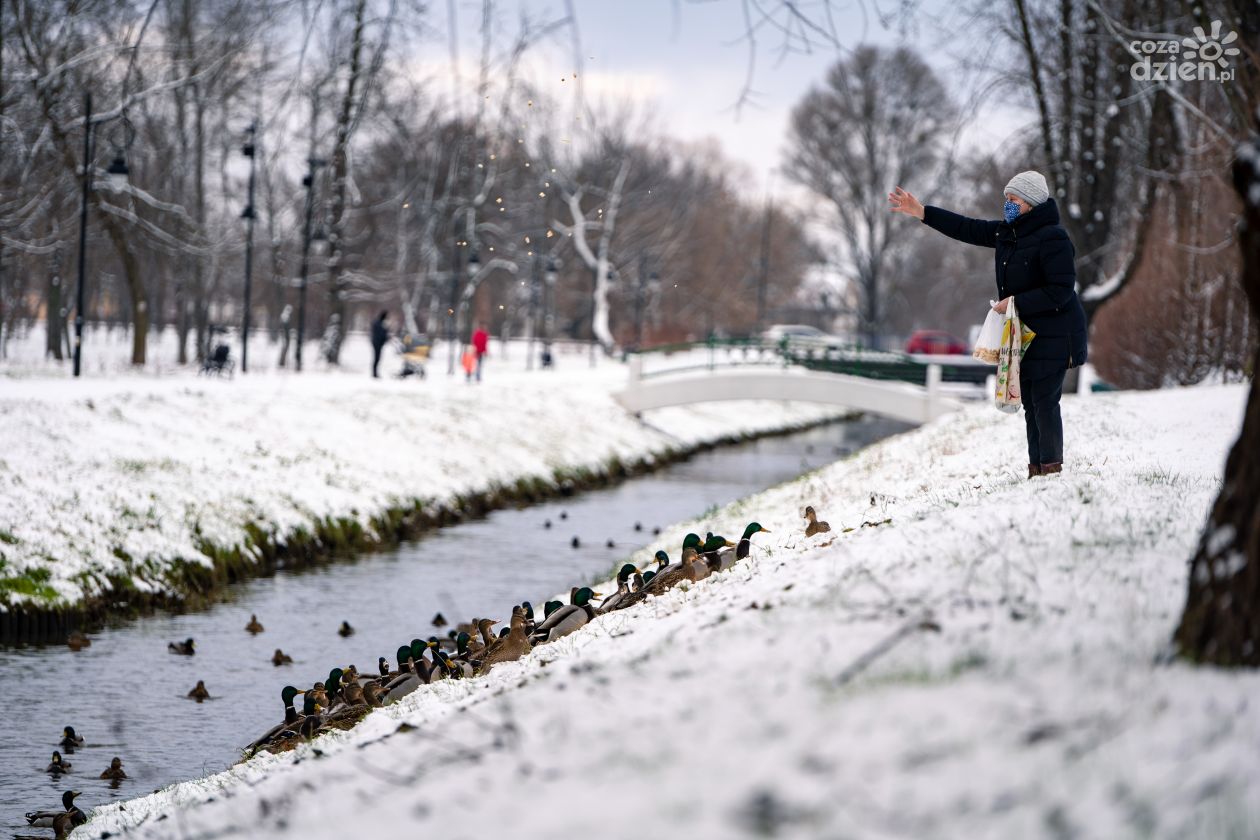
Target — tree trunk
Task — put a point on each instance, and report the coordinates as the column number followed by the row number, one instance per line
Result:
column 340, row 163
column 1221, row 621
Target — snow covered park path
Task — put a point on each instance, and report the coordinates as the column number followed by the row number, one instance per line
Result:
column 977, row 657
column 118, row 481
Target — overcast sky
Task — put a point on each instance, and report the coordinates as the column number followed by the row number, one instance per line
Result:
column 687, row 62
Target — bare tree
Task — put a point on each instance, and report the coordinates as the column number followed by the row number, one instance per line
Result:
column 882, row 118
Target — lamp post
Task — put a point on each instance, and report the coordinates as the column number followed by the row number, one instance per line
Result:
column 549, row 308
column 248, row 214
column 117, row 174
column 535, row 279
column 309, row 182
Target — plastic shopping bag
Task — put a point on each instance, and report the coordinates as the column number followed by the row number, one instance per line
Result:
column 1014, row 342
column 989, row 342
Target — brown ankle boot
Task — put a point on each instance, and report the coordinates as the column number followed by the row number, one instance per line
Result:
column 1051, row 469
column 1034, row 470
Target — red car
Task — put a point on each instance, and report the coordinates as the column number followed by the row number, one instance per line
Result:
column 935, row 343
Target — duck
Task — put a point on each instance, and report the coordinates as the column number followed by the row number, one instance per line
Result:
column 291, row 718
column 281, row 658
column 671, row 575
column 439, row 620
column 184, row 648
column 58, row 764
column 345, row 630
column 550, row 607
column 646, row 579
column 565, row 620
column 115, row 771
column 814, row 526
column 529, row 616
column 199, row 692
column 45, row 819
column 709, row 551
column 320, row 693
column 623, row 588
column 254, row 627
column 511, row 647
column 727, row 558
column 575, row 543
column 312, row 718
column 382, row 665
column 70, row 740
column 78, row 641
column 415, row 672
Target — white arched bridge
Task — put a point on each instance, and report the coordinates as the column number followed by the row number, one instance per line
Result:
column 884, row 385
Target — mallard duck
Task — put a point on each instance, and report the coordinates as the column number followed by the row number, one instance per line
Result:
column 320, row 693
column 281, row 658
column 709, row 551
column 529, row 616
column 312, row 718
column 372, row 694
column 511, row 647
column 254, row 627
column 439, row 620
column 199, row 692
column 114, row 771
column 674, row 573
column 78, row 641
column 575, row 543
column 57, row 765
column 291, row 717
column 44, row 819
column 70, row 740
column 550, row 607
column 382, row 665
column 814, row 526
column 727, row 557
column 184, row 648
column 415, row 673
column 567, row 619
column 647, row 578
column 345, row 630
column 623, row 588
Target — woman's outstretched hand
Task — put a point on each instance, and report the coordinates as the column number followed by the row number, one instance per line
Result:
column 901, row 201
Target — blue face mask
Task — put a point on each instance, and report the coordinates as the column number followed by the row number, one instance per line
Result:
column 1010, row 210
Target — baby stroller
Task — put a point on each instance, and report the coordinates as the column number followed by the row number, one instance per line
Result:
column 414, row 351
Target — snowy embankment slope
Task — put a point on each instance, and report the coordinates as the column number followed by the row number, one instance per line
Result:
column 982, row 665
column 124, row 478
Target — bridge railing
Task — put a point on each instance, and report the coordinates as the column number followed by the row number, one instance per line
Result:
column 811, row 354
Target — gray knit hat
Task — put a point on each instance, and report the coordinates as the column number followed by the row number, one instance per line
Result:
column 1030, row 186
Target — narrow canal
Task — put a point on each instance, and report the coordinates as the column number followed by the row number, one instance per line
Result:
column 126, row 695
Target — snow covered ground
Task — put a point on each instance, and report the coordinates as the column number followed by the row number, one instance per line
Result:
column 984, row 664
column 121, row 474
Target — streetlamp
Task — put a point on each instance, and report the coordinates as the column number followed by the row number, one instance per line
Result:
column 248, row 214
column 117, row 175
column 308, row 181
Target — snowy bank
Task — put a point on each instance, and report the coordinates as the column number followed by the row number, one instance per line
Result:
column 976, row 657
column 134, row 488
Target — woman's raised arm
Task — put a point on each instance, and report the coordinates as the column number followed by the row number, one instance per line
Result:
column 971, row 231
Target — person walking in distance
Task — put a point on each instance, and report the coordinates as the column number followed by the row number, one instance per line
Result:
column 380, row 335
column 481, row 343
column 1034, row 259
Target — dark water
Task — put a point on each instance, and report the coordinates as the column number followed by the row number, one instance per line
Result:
column 126, row 695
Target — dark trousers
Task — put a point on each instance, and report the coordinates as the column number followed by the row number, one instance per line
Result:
column 376, row 360
column 1041, row 387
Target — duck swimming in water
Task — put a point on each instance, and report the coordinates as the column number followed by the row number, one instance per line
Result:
column 78, row 641
column 345, row 630
column 254, row 627
column 57, row 765
column 281, row 658
column 70, row 740
column 199, row 692
column 114, row 771
column 184, row 648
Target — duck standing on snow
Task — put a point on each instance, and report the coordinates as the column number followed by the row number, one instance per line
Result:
column 184, row 648
column 508, row 648
column 254, row 627
column 70, row 740
column 199, row 692
column 47, row 819
column 291, row 719
column 565, row 620
column 727, row 558
column 814, row 526
column 115, row 770
column 58, row 765
column 623, row 588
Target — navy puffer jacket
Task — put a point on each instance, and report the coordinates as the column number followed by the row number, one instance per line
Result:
column 1034, row 262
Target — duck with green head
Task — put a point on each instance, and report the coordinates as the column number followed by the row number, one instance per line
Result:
column 726, row 558
column 58, row 764
column 291, row 718
column 70, row 740
column 46, row 819
column 568, row 618
column 614, row 600
column 675, row 573
column 416, row 673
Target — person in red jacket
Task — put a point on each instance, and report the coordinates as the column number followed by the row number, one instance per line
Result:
column 481, row 343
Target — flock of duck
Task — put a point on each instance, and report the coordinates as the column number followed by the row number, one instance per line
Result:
column 469, row 649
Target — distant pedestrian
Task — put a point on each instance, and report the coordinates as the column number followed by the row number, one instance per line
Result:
column 1036, row 269
column 380, row 335
column 481, row 344
column 469, row 362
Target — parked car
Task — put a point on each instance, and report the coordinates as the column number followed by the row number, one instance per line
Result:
column 936, row 343
column 794, row 332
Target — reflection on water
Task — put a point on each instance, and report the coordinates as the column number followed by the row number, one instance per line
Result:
column 127, row 695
